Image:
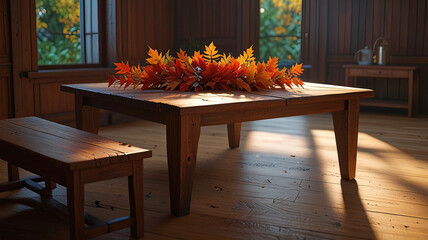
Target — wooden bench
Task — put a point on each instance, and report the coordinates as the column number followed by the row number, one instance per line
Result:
column 72, row 158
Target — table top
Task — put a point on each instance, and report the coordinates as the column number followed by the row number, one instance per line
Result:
column 385, row 67
column 188, row 102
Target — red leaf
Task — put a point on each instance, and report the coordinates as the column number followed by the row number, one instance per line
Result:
column 111, row 80
column 122, row 68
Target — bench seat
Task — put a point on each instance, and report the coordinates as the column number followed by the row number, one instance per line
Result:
column 72, row 158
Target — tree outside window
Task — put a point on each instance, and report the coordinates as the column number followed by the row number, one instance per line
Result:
column 280, row 29
column 67, row 31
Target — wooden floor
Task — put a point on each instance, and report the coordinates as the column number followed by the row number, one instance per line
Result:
column 283, row 182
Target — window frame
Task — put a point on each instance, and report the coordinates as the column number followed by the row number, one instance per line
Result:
column 102, row 5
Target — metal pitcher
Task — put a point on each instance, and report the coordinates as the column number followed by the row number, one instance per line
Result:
column 381, row 48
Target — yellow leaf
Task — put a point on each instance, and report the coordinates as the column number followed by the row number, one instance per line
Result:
column 247, row 56
column 155, row 57
column 210, row 53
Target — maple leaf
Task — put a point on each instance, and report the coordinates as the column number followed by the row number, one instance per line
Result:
column 130, row 80
column 225, row 59
column 243, row 85
column 211, row 85
column 172, row 85
column 251, row 72
column 297, row 69
column 155, row 57
column 210, row 53
column 272, row 64
column 111, row 80
column 262, row 78
column 197, row 55
column 122, row 68
column 122, row 80
column 168, row 57
column 247, row 56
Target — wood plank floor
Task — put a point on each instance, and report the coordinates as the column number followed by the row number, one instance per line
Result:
column 283, row 182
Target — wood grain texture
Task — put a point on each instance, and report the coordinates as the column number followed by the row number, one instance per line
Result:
column 265, row 192
column 56, row 144
column 184, row 113
column 234, row 134
column 72, row 158
column 182, row 147
column 360, row 23
column 346, row 132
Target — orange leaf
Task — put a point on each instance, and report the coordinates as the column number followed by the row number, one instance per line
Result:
column 172, row 85
column 272, row 64
column 251, row 73
column 297, row 69
column 122, row 68
column 155, row 57
column 243, row 85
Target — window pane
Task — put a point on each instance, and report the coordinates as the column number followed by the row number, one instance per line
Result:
column 65, row 32
column 280, row 28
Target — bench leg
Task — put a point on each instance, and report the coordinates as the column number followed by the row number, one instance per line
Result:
column 234, row 134
column 136, row 200
column 346, row 132
column 12, row 172
column 182, row 133
column 75, row 203
column 49, row 186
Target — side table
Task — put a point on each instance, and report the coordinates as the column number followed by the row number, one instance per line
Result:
column 353, row 71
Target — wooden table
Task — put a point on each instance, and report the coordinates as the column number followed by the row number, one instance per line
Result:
column 184, row 113
column 387, row 71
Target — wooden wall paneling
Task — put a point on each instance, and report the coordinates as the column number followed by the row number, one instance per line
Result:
column 4, row 33
column 347, row 32
column 362, row 17
column 395, row 26
column 426, row 31
column 404, row 27
column 378, row 19
column 419, row 45
column 323, row 40
column 232, row 25
column 369, row 40
column 23, row 44
column 355, row 16
column 334, row 24
column 411, row 39
column 111, row 32
column 6, row 101
column 140, row 24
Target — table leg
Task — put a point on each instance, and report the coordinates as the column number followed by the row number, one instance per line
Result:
column 346, row 132
column 87, row 117
column 182, row 133
column 234, row 134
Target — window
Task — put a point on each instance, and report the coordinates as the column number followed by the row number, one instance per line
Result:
column 280, row 30
column 67, row 32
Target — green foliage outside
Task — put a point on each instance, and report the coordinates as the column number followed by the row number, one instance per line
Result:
column 58, row 32
column 280, row 29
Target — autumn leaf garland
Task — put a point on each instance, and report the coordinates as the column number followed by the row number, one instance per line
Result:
column 209, row 70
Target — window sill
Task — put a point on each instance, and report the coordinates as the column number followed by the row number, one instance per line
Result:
column 70, row 73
